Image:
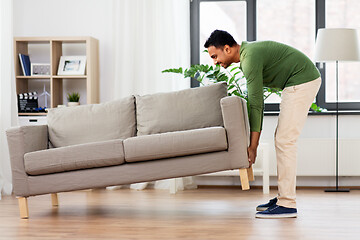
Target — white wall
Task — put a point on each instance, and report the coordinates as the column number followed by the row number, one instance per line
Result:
column 316, row 151
column 72, row 18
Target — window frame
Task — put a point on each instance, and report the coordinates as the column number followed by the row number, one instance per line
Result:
column 251, row 10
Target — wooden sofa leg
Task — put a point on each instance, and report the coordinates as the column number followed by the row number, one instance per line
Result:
column 23, row 207
column 250, row 173
column 244, row 179
column 54, row 200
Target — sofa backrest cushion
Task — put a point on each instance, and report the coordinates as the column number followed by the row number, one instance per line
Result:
column 181, row 110
column 92, row 123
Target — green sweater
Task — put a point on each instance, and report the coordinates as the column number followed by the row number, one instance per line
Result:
column 275, row 65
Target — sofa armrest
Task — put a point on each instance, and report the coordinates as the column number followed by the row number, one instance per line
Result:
column 236, row 123
column 22, row 140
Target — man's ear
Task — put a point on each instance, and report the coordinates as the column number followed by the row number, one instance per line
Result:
column 227, row 49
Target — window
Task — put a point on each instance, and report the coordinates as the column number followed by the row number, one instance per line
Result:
column 224, row 15
column 230, row 15
column 295, row 26
column 291, row 22
column 339, row 14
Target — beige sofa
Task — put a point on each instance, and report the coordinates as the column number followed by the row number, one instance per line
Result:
column 131, row 140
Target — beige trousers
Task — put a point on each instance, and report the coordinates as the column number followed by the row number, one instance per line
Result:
column 294, row 108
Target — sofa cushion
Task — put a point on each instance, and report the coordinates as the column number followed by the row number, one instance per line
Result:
column 181, row 110
column 92, row 123
column 90, row 155
column 175, row 144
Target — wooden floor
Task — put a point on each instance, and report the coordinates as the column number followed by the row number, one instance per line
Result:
column 206, row 213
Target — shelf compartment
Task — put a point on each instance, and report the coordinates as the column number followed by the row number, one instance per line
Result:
column 56, row 86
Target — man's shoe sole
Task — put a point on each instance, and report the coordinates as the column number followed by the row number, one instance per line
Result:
column 283, row 215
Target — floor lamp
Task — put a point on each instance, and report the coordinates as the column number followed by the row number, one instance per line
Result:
column 337, row 44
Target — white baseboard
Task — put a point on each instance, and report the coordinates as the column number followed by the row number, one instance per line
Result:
column 324, row 181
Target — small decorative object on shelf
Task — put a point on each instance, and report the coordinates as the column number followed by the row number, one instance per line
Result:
column 28, row 103
column 73, row 99
column 25, row 64
column 45, row 94
column 72, row 65
column 40, row 69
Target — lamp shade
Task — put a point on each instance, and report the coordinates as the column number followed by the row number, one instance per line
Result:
column 337, row 44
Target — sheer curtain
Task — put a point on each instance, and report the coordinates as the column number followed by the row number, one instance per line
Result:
column 7, row 95
column 150, row 36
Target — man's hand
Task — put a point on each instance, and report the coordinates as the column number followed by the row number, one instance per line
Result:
column 252, row 149
column 252, row 155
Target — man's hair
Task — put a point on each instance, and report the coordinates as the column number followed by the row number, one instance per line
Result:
column 219, row 39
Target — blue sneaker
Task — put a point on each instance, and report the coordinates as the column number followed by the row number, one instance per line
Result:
column 277, row 211
column 265, row 206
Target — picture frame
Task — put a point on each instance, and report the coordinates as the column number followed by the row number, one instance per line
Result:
column 72, row 65
column 40, row 69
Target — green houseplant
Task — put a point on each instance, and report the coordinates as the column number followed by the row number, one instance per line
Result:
column 233, row 77
column 73, row 99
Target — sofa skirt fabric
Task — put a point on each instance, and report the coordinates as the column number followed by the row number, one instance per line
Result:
column 129, row 173
column 82, row 156
column 175, row 144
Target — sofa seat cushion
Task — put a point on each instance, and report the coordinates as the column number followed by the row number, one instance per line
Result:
column 82, row 156
column 175, row 144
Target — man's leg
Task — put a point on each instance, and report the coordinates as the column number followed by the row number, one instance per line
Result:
column 294, row 108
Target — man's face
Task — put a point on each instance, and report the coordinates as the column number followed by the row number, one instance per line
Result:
column 220, row 56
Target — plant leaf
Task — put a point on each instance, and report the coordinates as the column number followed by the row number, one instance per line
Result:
column 173, row 70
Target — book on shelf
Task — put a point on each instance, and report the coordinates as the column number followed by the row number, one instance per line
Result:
column 25, row 64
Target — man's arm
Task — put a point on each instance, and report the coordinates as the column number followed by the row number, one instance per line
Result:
column 252, row 69
column 252, row 149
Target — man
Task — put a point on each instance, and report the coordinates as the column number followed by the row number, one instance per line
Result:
column 276, row 65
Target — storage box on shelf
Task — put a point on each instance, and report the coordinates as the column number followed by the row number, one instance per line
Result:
column 32, row 120
column 55, row 46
